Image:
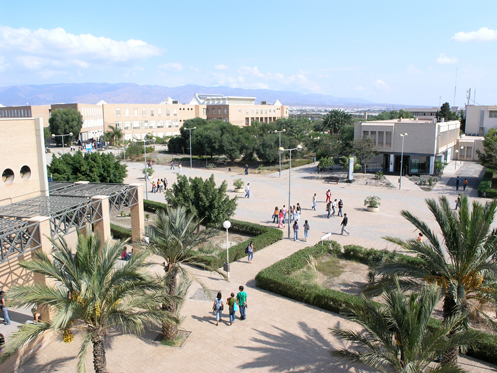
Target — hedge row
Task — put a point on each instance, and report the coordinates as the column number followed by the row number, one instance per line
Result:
column 119, row 232
column 485, row 185
column 277, row 280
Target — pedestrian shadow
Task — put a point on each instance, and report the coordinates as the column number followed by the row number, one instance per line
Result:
column 19, row 317
column 282, row 351
column 208, row 319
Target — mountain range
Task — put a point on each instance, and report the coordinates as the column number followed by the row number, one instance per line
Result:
column 92, row 93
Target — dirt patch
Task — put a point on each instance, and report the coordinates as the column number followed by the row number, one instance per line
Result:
column 359, row 178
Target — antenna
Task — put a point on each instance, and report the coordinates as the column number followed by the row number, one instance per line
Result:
column 474, row 98
column 455, row 89
column 440, row 101
column 468, row 94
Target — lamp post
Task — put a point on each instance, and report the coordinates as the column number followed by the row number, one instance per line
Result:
column 146, row 166
column 281, row 150
column 460, row 157
column 190, row 131
column 455, row 158
column 279, row 146
column 227, row 226
column 401, row 159
column 67, row 134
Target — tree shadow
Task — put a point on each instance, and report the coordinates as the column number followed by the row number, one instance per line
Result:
column 283, row 351
column 31, row 365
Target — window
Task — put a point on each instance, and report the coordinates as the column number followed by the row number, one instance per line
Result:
column 257, row 111
column 176, row 123
column 118, row 112
column 151, row 112
column 160, row 124
column 492, row 114
column 219, row 111
column 168, row 112
column 136, row 112
column 175, row 111
column 127, row 112
column 144, row 123
column 225, row 111
column 119, row 125
column 246, row 111
column 136, row 124
column 168, row 124
column 159, row 112
column 252, row 110
column 204, row 111
column 127, row 125
column 388, row 139
column 207, row 111
column 144, row 112
column 365, row 133
column 151, row 124
column 373, row 136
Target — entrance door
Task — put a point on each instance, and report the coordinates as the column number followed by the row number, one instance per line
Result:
column 405, row 164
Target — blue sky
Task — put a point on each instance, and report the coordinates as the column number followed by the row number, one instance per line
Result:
column 399, row 52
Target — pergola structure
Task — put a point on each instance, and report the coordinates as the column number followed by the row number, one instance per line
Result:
column 69, row 206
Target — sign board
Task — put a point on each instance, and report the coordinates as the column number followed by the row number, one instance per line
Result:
column 89, row 147
column 326, row 236
column 351, row 168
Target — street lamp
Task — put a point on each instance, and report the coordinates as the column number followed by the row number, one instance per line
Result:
column 401, row 159
column 462, row 153
column 455, row 158
column 281, row 150
column 279, row 146
column 227, row 226
column 146, row 166
column 67, row 134
column 190, row 131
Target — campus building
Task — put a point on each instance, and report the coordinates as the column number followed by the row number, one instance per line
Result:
column 239, row 111
column 479, row 119
column 429, row 113
column 93, row 120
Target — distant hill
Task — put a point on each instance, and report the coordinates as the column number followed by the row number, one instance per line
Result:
column 91, row 93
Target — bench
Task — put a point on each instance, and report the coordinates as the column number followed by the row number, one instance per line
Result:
column 333, row 179
column 221, row 161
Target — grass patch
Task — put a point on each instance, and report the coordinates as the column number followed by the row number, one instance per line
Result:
column 173, row 343
column 330, row 266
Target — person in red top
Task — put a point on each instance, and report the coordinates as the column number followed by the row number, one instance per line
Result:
column 328, row 196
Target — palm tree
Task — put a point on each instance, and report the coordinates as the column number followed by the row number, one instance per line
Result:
column 173, row 237
column 396, row 336
column 463, row 264
column 91, row 292
column 115, row 134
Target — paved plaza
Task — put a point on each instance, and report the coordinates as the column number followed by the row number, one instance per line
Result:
column 279, row 335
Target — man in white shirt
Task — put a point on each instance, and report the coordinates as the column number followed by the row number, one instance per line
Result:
column 247, row 190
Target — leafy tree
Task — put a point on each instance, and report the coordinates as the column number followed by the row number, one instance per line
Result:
column 489, row 156
column 335, row 120
column 90, row 293
column 393, row 114
column 267, row 148
column 114, row 135
column 173, row 237
column 462, row 264
column 396, row 336
column 63, row 122
column 365, row 149
column 326, row 162
column 93, row 167
column 201, row 197
column 445, row 113
column 329, row 147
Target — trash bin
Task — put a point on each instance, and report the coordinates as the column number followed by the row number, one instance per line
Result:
column 226, row 267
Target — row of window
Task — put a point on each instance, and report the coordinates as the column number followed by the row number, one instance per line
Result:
column 15, row 113
column 144, row 124
column 492, row 114
column 91, row 111
column 383, row 139
column 152, row 112
column 140, row 136
column 225, row 111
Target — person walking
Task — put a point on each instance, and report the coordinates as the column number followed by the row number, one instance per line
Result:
column 233, row 307
column 172, row 165
column 275, row 214
column 306, row 230
column 314, row 160
column 295, row 214
column 457, row 182
column 464, row 184
column 180, row 168
column 4, row 308
column 314, row 202
column 250, row 251
column 247, row 190
column 284, row 213
column 246, row 169
column 328, row 196
column 165, row 184
column 241, row 297
column 458, row 201
column 218, row 308
column 334, row 207
column 281, row 218
column 295, row 230
column 340, row 208
column 344, row 223
column 299, row 211
column 328, row 208
column 154, row 189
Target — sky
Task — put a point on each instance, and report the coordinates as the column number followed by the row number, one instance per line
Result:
column 399, row 52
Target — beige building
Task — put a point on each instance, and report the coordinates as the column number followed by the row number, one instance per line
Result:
column 426, row 142
column 93, row 119
column 27, row 111
column 239, row 111
column 479, row 119
column 161, row 120
column 428, row 113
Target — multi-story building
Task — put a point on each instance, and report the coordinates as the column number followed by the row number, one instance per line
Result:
column 26, row 111
column 161, row 120
column 240, row 111
column 429, row 113
column 93, row 119
column 479, row 119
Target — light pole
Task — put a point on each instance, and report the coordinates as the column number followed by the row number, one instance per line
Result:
column 281, row 150
column 460, row 157
column 455, row 158
column 401, row 159
column 67, row 134
column 279, row 146
column 146, row 166
column 227, row 226
column 190, row 131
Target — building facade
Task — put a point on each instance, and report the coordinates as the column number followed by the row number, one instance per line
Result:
column 479, row 119
column 27, row 111
column 93, row 119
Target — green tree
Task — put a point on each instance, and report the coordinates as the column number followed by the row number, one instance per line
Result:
column 326, row 162
column 201, row 197
column 462, row 264
column 63, row 122
column 445, row 113
column 344, row 162
column 267, row 148
column 365, row 149
column 90, row 293
column 330, row 146
column 93, row 167
column 488, row 158
column 173, row 237
column 393, row 114
column 396, row 337
column 335, row 120
column 114, row 135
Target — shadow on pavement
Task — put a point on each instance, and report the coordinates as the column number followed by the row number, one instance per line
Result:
column 49, row 367
column 283, row 351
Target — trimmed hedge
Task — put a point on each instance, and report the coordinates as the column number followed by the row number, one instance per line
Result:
column 119, row 232
column 276, row 279
column 485, row 185
column 153, row 206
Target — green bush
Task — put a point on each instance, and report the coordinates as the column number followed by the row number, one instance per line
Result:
column 238, row 183
column 120, row 233
column 153, row 206
column 485, row 185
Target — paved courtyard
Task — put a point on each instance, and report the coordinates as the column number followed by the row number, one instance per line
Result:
column 279, row 335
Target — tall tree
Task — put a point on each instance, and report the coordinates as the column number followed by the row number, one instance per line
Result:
column 335, row 120
column 396, row 336
column 462, row 264
column 445, row 113
column 364, row 149
column 63, row 122
column 489, row 156
column 173, row 237
column 90, row 293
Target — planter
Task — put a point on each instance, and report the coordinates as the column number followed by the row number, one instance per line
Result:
column 373, row 209
column 241, row 190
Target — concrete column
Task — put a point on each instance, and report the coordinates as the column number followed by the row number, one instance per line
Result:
column 102, row 227
column 137, row 215
column 42, row 235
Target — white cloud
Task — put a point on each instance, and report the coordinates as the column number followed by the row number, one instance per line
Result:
column 252, row 71
column 482, row 35
column 172, row 66
column 446, row 60
column 193, row 68
column 380, row 84
column 411, row 69
column 222, row 67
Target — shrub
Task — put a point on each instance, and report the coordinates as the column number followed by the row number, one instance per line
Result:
column 149, row 170
column 152, row 206
column 210, row 166
column 485, row 186
column 379, row 175
column 120, row 233
column 372, row 201
column 238, row 183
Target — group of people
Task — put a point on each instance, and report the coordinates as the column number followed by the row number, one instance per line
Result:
column 279, row 216
column 333, row 207
column 464, row 184
column 234, row 303
column 160, row 186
